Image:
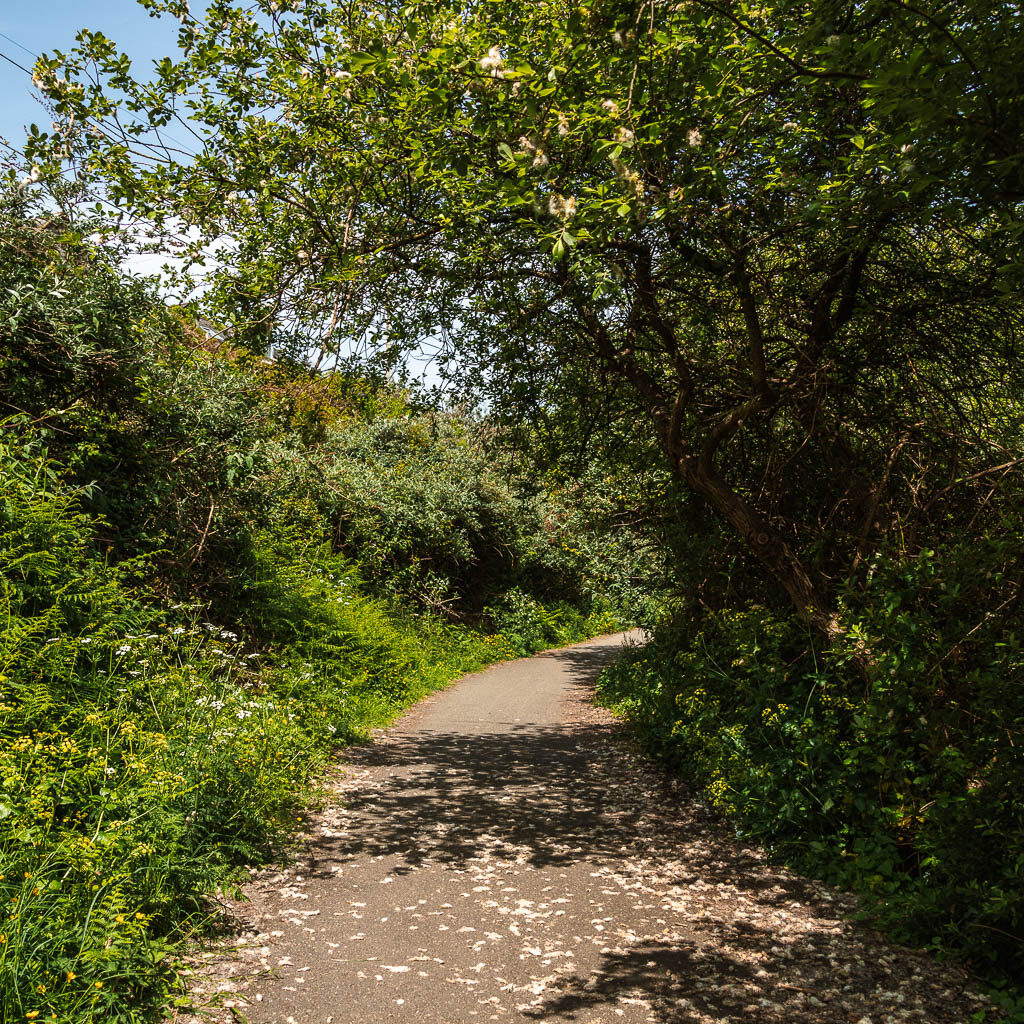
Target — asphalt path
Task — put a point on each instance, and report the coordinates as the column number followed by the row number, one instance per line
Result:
column 503, row 854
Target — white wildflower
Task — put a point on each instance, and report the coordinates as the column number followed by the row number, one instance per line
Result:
column 109, row 771
column 123, row 649
column 610, row 106
column 694, row 137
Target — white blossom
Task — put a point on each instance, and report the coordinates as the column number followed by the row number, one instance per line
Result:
column 492, row 62
column 561, row 206
column 694, row 137
column 610, row 106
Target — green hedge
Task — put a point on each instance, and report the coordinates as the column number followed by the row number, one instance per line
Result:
column 905, row 788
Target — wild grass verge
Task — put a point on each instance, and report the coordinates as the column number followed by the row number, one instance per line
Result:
column 147, row 754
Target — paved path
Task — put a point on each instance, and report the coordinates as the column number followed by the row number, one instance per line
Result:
column 502, row 854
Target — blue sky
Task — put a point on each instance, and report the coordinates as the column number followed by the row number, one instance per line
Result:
column 47, row 25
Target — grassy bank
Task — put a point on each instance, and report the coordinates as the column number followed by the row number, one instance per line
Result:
column 146, row 753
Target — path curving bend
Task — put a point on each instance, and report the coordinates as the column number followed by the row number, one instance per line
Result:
column 503, row 855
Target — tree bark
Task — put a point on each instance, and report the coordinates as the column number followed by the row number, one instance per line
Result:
column 769, row 548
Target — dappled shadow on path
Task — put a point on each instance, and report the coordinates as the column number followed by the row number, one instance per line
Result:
column 637, row 904
column 540, row 795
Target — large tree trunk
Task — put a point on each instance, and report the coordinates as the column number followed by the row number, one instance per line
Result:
column 770, row 549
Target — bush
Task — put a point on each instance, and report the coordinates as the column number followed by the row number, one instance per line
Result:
column 530, row 626
column 906, row 789
column 146, row 754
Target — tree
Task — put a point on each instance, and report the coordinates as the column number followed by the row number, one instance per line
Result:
column 783, row 235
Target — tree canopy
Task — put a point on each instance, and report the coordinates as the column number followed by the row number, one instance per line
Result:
column 780, row 239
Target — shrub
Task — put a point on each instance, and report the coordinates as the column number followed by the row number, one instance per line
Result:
column 906, row 789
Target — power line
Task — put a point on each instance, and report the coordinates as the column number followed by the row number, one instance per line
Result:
column 4, row 35
column 11, row 60
column 21, row 67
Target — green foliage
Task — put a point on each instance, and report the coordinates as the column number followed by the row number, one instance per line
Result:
column 779, row 244
column 906, row 788
column 774, row 248
column 214, row 570
column 418, row 501
column 529, row 626
column 146, row 754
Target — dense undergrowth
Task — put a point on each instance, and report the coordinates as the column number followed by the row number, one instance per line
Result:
column 905, row 788
column 214, row 569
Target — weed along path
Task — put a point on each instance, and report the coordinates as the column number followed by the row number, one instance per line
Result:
column 501, row 854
